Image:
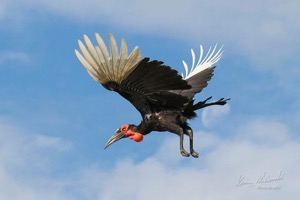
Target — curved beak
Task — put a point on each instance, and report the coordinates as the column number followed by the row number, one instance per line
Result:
column 116, row 136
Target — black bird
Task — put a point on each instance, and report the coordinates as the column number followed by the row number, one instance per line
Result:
column 164, row 98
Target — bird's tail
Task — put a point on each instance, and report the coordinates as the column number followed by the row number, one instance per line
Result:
column 189, row 111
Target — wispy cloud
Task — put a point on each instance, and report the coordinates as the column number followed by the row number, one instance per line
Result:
column 259, row 35
column 7, row 56
column 55, row 143
column 212, row 115
column 26, row 163
column 263, row 31
column 163, row 175
column 213, row 176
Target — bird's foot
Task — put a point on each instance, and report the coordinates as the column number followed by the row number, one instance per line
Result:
column 195, row 154
column 184, row 153
column 222, row 101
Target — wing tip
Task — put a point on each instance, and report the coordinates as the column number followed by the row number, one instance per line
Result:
column 208, row 61
column 107, row 64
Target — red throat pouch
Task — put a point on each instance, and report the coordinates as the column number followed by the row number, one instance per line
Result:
column 135, row 136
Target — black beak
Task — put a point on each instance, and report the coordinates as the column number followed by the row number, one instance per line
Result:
column 116, row 136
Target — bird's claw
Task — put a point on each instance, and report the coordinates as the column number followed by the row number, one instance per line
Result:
column 195, row 154
column 184, row 153
column 222, row 101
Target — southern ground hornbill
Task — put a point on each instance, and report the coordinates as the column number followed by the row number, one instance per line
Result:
column 164, row 98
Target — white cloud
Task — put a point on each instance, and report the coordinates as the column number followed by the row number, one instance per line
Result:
column 213, row 114
column 264, row 32
column 2, row 9
column 52, row 142
column 251, row 153
column 25, row 163
column 214, row 175
column 265, row 131
column 13, row 56
column 2, row 12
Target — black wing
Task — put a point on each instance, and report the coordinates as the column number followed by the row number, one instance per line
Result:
column 146, row 84
column 147, row 87
column 201, row 72
column 197, row 82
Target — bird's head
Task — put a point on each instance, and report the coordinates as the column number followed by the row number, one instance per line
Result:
column 125, row 131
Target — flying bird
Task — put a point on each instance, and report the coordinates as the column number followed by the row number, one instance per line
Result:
column 164, row 98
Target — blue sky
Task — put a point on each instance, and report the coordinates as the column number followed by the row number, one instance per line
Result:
column 55, row 119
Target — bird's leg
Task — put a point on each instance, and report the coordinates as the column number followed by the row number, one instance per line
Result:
column 182, row 151
column 220, row 102
column 189, row 131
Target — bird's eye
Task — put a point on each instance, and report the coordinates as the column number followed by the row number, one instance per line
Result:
column 124, row 128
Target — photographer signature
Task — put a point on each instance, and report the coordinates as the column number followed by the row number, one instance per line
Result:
column 264, row 182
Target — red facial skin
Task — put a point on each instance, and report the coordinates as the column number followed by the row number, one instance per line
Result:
column 130, row 134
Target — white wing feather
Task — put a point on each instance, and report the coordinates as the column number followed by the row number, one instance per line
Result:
column 208, row 61
column 186, row 68
column 104, row 66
